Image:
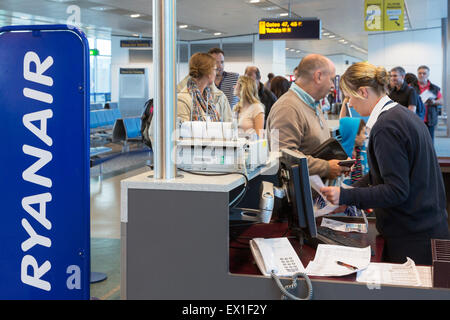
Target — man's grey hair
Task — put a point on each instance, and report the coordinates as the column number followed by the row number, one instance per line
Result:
column 399, row 70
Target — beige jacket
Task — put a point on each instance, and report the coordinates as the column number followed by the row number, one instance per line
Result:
column 299, row 129
column 184, row 105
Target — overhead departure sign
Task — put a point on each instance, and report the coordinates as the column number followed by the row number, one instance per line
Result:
column 44, row 94
column 294, row 29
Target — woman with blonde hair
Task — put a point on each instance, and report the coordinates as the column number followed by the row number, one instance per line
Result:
column 404, row 184
column 249, row 109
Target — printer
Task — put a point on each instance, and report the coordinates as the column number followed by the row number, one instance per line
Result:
column 217, row 147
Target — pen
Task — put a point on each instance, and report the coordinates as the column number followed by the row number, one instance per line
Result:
column 346, row 265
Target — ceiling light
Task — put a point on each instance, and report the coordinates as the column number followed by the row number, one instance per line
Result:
column 104, row 8
column 298, row 51
column 326, row 33
column 183, row 26
column 284, row 14
column 332, row 36
column 292, row 50
column 136, row 15
column 254, row 1
column 287, row 48
column 217, row 33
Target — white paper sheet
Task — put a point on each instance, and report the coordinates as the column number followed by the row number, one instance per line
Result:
column 317, row 183
column 406, row 274
column 325, row 261
column 427, row 94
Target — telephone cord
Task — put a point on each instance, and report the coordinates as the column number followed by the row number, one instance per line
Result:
column 284, row 289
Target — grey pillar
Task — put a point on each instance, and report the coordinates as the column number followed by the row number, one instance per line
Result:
column 164, row 62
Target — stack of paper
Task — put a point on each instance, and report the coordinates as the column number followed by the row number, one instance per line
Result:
column 325, row 262
column 406, row 274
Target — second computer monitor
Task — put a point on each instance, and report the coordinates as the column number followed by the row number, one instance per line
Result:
column 295, row 175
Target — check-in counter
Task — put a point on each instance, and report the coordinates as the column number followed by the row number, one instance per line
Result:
column 177, row 242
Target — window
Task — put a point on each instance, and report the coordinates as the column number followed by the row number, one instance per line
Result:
column 100, row 70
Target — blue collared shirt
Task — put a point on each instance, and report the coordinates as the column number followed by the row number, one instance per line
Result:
column 306, row 98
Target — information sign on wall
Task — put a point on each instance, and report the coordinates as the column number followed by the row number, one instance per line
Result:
column 384, row 15
column 44, row 98
column 297, row 29
column 394, row 15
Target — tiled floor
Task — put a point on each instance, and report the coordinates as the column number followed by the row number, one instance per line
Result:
column 105, row 221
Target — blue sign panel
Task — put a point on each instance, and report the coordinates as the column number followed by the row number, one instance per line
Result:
column 45, row 236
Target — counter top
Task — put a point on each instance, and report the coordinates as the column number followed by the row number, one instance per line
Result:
column 193, row 182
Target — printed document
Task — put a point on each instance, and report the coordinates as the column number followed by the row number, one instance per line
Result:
column 343, row 226
column 427, row 94
column 325, row 262
column 406, row 274
column 317, row 183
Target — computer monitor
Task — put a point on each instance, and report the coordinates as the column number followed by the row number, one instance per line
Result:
column 294, row 175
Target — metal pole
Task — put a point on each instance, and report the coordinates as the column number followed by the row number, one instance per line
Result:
column 446, row 77
column 164, row 62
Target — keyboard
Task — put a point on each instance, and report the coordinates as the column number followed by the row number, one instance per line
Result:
column 329, row 236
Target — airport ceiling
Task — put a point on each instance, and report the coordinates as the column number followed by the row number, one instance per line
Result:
column 208, row 19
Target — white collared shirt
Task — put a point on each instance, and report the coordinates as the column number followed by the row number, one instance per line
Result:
column 380, row 107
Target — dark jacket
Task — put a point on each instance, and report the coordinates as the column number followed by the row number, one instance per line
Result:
column 267, row 98
column 406, row 185
column 432, row 109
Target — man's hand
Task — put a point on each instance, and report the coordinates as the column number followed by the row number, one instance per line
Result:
column 335, row 169
column 332, row 194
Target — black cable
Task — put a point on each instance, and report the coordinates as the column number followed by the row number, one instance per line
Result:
column 241, row 195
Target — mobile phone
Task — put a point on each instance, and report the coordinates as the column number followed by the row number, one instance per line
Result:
column 346, row 163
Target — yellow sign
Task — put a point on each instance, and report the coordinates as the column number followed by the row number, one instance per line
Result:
column 273, row 29
column 373, row 15
column 394, row 15
column 384, row 15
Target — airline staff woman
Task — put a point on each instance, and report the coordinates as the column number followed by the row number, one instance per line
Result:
column 404, row 184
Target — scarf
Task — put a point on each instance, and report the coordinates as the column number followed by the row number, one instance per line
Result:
column 356, row 173
column 202, row 109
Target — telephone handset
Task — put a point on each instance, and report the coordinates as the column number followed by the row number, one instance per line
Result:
column 276, row 255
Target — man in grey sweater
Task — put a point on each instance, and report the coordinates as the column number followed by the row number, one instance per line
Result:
column 296, row 120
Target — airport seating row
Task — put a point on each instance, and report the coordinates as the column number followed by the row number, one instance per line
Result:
column 104, row 118
column 101, row 106
column 127, row 129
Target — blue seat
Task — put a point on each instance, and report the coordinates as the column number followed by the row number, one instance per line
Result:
column 109, row 117
column 96, row 106
column 93, row 120
column 113, row 105
column 132, row 128
column 98, row 151
column 116, row 114
column 101, row 118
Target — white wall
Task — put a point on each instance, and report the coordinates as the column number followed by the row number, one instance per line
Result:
column 268, row 56
column 408, row 49
column 120, row 59
column 291, row 63
column 342, row 62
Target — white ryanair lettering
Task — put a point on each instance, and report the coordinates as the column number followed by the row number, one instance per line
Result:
column 31, row 273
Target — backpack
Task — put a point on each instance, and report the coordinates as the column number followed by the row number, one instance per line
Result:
column 420, row 108
column 146, row 120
